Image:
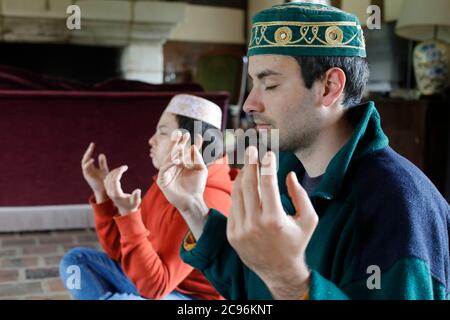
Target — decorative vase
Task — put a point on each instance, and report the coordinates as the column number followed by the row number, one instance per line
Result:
column 431, row 66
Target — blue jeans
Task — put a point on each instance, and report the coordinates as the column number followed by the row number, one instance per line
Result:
column 90, row 274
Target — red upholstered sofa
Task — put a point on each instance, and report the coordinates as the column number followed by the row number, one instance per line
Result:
column 44, row 134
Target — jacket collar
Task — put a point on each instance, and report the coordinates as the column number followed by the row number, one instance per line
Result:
column 367, row 137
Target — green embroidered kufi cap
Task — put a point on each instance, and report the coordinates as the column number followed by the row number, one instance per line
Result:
column 304, row 29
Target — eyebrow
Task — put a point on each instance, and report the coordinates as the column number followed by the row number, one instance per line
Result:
column 267, row 73
column 162, row 126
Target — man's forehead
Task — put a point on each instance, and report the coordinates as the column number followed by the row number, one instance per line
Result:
column 270, row 65
column 166, row 118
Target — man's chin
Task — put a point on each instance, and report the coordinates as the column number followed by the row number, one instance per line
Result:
column 155, row 164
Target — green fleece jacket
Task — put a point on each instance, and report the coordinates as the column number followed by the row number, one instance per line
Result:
column 383, row 230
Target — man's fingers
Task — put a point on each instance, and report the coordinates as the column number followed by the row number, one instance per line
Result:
column 305, row 212
column 88, row 153
column 250, row 185
column 136, row 196
column 166, row 167
column 182, row 152
column 117, row 178
column 185, row 151
column 166, row 175
column 181, row 140
column 176, row 136
column 236, row 193
column 198, row 141
column 198, row 162
column 87, row 164
column 112, row 181
column 270, row 195
column 103, row 164
column 236, row 216
column 251, row 156
column 194, row 159
column 177, row 152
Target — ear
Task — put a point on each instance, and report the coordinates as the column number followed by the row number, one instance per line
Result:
column 334, row 82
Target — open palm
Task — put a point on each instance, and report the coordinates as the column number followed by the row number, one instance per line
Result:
column 94, row 176
column 183, row 174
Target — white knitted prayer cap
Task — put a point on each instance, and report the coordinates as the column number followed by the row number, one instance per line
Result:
column 196, row 108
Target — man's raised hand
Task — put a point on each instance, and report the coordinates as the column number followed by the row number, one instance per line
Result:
column 182, row 179
column 183, row 174
column 125, row 203
column 267, row 240
column 94, row 176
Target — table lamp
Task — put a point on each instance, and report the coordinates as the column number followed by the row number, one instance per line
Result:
column 428, row 22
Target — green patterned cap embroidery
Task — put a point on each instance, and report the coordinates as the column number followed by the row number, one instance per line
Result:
column 303, row 29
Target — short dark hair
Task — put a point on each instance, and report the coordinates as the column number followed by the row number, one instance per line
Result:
column 188, row 124
column 356, row 70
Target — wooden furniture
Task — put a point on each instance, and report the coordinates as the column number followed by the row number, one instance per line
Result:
column 419, row 130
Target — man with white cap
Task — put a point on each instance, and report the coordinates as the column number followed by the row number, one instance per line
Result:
column 141, row 238
column 363, row 223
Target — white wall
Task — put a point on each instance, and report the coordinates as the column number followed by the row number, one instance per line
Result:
column 392, row 9
column 254, row 6
column 357, row 7
column 211, row 24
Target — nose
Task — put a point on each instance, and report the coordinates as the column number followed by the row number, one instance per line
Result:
column 151, row 141
column 253, row 102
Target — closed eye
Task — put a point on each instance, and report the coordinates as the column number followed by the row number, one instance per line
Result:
column 271, row 87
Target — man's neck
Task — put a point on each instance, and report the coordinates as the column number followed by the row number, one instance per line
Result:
column 316, row 158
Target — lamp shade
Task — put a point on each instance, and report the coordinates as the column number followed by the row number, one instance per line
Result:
column 422, row 20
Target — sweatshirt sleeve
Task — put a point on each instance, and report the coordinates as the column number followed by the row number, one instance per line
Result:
column 107, row 232
column 155, row 274
column 407, row 279
column 213, row 255
column 218, row 261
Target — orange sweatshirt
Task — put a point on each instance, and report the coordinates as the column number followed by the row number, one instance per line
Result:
column 147, row 242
